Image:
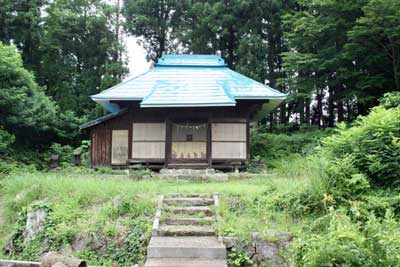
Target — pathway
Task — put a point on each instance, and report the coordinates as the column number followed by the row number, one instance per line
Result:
column 183, row 233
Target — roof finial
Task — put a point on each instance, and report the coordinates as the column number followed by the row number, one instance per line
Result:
column 218, row 53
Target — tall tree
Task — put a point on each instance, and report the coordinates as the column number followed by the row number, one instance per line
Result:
column 25, row 110
column 81, row 52
column 154, row 23
column 21, row 24
column 316, row 62
column 375, row 49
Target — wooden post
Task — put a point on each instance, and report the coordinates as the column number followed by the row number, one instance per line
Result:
column 130, row 140
column 209, row 143
column 168, row 137
column 247, row 140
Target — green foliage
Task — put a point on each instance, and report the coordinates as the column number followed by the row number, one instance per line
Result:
column 390, row 100
column 81, row 52
column 6, row 140
column 24, row 108
column 374, row 46
column 64, row 153
column 344, row 182
column 334, row 240
column 373, row 144
column 238, row 258
column 271, row 147
column 155, row 22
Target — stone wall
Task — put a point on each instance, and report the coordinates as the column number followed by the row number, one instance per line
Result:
column 263, row 248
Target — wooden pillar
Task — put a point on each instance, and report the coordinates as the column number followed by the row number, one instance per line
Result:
column 168, row 136
column 209, row 143
column 247, row 139
column 130, row 137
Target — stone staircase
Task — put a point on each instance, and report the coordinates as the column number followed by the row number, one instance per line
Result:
column 183, row 233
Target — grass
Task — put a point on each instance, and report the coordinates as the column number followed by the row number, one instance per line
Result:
column 107, row 205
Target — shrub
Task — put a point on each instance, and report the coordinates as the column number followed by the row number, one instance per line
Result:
column 373, row 143
column 390, row 100
column 6, row 140
column 334, row 240
column 64, row 153
column 344, row 180
column 271, row 147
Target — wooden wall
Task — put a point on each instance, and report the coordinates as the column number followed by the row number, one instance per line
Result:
column 146, row 129
column 100, row 147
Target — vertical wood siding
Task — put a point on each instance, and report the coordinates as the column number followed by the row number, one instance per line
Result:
column 101, row 147
column 229, row 140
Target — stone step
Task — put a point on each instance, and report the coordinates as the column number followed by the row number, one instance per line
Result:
column 189, row 195
column 199, row 247
column 190, row 210
column 185, row 230
column 178, row 262
column 189, row 201
column 188, row 220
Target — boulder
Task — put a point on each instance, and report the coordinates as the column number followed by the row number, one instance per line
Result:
column 230, row 241
column 268, row 252
column 34, row 223
column 51, row 259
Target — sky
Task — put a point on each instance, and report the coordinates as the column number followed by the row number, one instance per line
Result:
column 137, row 62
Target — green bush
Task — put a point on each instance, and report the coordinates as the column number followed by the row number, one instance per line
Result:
column 334, row 240
column 373, row 143
column 390, row 100
column 6, row 140
column 64, row 153
column 271, row 147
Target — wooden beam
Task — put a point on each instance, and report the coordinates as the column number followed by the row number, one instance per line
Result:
column 209, row 143
column 168, row 137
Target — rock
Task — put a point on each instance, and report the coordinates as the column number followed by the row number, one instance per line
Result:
column 271, row 235
column 86, row 240
column 9, row 247
column 117, row 202
column 268, row 252
column 280, row 236
column 50, row 259
column 59, row 264
column 34, row 223
column 218, row 177
column 251, row 250
column 230, row 241
column 267, row 245
column 81, row 241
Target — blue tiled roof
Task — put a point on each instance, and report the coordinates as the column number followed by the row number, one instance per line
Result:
column 189, row 81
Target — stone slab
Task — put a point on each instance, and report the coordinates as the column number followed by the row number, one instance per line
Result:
column 186, row 247
column 190, row 210
column 185, row 230
column 185, row 263
column 188, row 220
column 194, row 201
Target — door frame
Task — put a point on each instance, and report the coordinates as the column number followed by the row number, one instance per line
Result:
column 168, row 143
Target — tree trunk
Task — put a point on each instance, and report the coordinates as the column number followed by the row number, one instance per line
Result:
column 282, row 115
column 307, row 116
column 301, row 110
column 340, row 110
column 331, row 108
column 319, row 108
